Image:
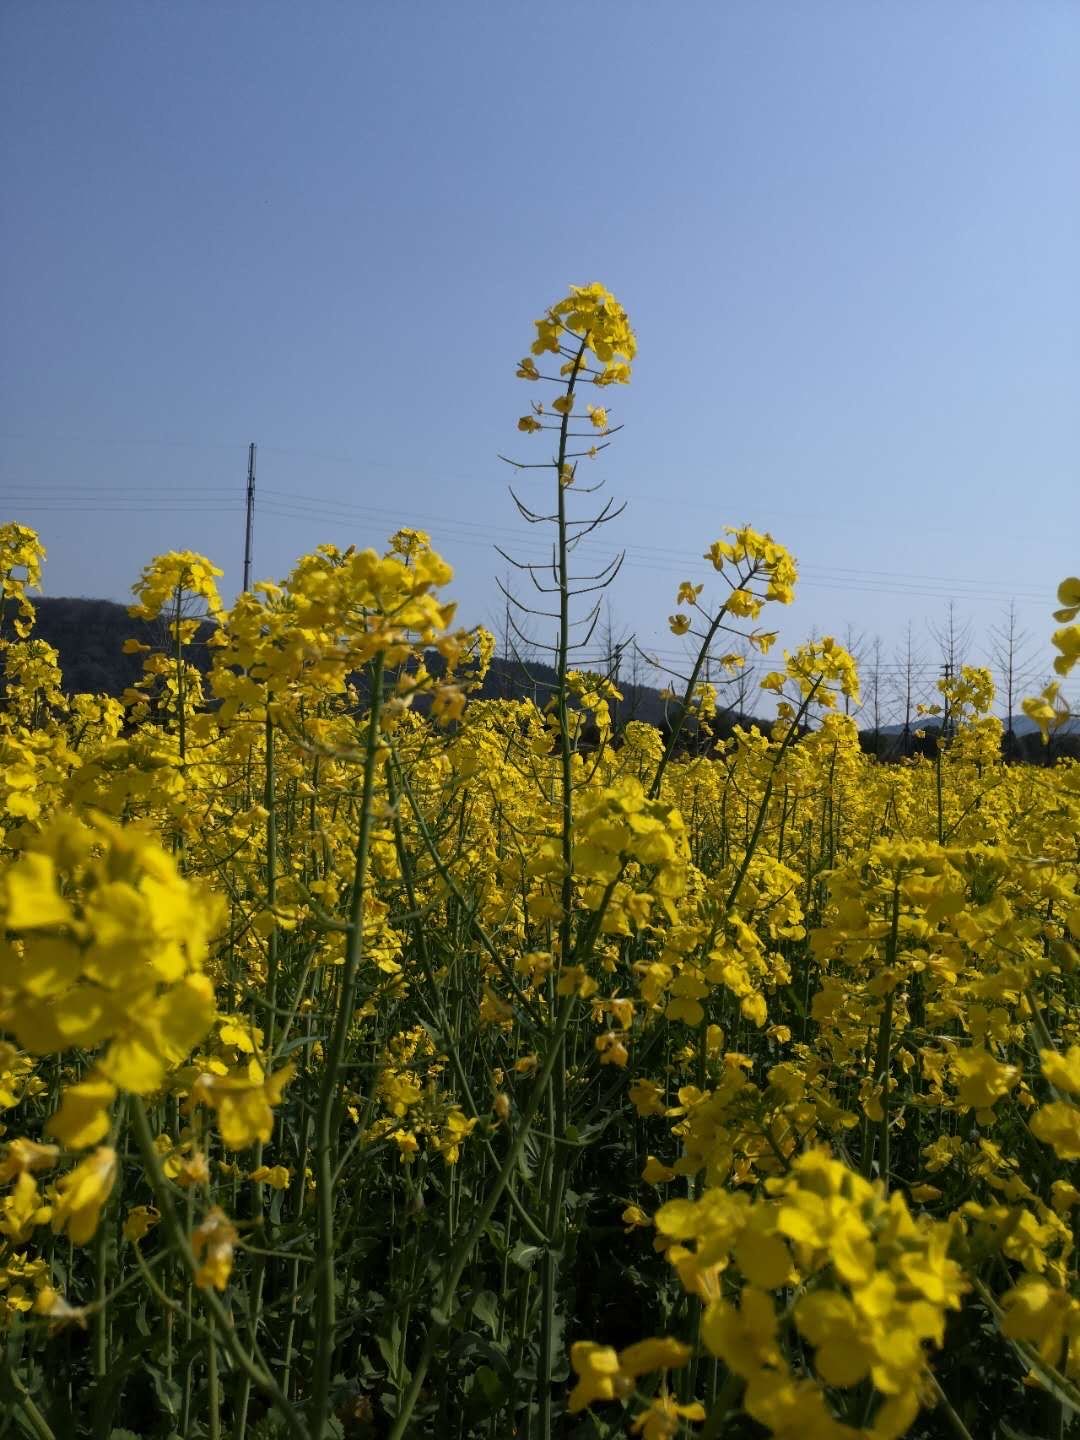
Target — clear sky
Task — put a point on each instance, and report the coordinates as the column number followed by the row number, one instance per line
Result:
column 847, row 233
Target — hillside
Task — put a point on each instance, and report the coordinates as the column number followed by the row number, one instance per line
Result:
column 89, row 636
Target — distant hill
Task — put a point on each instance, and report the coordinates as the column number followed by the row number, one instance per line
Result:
column 1021, row 726
column 89, row 636
column 1024, row 743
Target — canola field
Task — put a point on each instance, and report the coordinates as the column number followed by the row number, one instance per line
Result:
column 377, row 1060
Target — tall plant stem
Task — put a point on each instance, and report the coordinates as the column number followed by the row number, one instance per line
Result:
column 259, row 1278
column 440, row 1315
column 763, row 808
column 684, row 703
column 326, row 1113
column 553, row 1170
column 178, row 1239
column 884, row 1046
column 101, row 1314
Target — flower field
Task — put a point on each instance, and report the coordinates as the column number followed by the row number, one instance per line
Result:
column 377, row 1060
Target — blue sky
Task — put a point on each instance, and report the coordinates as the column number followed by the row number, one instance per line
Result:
column 847, row 235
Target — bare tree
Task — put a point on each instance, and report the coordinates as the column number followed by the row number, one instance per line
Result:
column 635, row 668
column 739, row 686
column 909, row 664
column 1010, row 650
column 615, row 645
column 875, row 694
column 953, row 640
column 855, row 645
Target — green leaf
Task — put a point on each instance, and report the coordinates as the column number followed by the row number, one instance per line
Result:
column 386, row 1350
column 524, row 1256
column 485, row 1308
column 491, row 1385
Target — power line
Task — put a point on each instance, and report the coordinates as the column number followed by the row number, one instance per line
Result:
column 811, row 577
column 53, row 488
column 331, row 506
column 166, row 508
column 460, row 533
column 53, row 497
column 763, row 504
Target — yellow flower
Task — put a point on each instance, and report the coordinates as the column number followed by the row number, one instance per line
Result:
column 743, row 603
column 829, row 1320
column 1067, row 640
column 81, row 1194
column 83, row 1117
column 407, row 1143
column 448, row 703
column 1058, row 1124
column 591, row 316
column 599, row 1376
column 181, row 573
column 278, row 1177
column 656, row 1173
column 22, row 1210
column 980, row 1079
column 1048, row 710
column 745, row 1339
column 50, row 1302
column 761, row 1253
column 664, row 1417
column 923, row 1194
column 633, row 1217
column 663, row 1353
column 161, row 1034
column 612, row 1049
column 646, row 1097
column 243, row 1102
column 140, row 1220
column 455, row 1129
column 1069, row 598
column 212, row 1243
column 1063, row 1071
column 791, row 1409
column 24, row 1156
column 33, row 897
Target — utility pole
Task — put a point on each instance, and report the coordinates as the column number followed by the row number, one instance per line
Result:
column 614, row 666
column 946, row 716
column 249, row 522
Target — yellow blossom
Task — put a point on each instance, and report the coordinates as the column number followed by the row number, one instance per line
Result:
column 81, row 1194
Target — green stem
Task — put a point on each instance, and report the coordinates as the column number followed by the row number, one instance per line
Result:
column 256, row 1296
column 441, row 1312
column 684, row 703
column 946, row 1405
column 101, row 1314
column 766, row 797
column 210, row 1302
column 882, row 1062
column 325, row 1300
column 35, row 1419
column 213, row 1384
